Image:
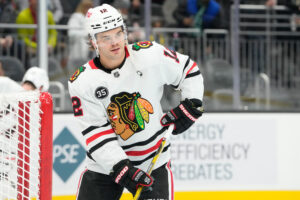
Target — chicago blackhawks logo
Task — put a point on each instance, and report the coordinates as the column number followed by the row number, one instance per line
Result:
column 76, row 74
column 128, row 113
column 144, row 45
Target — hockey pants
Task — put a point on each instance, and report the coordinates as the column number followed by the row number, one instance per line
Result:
column 96, row 186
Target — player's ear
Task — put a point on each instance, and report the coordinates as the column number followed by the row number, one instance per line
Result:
column 93, row 45
column 90, row 42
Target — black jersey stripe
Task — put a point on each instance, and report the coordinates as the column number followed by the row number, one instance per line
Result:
column 100, row 144
column 108, row 123
column 193, row 74
column 90, row 156
column 143, row 143
column 91, row 128
column 185, row 66
column 138, row 162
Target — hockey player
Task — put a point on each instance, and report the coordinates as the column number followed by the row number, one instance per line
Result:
column 116, row 98
column 35, row 78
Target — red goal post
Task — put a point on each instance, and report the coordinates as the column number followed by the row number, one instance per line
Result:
column 26, row 126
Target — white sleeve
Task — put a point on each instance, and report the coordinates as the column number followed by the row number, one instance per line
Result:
column 181, row 72
column 191, row 83
column 100, row 140
column 9, row 86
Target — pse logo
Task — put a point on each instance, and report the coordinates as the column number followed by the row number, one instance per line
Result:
column 68, row 153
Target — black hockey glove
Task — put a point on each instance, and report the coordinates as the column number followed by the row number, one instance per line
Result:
column 131, row 177
column 183, row 116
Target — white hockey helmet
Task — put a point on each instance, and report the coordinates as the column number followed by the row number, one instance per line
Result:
column 38, row 77
column 103, row 18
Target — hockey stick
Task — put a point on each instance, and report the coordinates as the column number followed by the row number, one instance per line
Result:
column 154, row 159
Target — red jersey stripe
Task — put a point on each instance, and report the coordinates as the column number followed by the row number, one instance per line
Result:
column 194, row 64
column 92, row 64
column 126, row 52
column 141, row 153
column 172, row 180
column 79, row 183
column 94, row 137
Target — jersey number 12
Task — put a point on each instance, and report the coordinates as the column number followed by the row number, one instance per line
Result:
column 171, row 54
column 76, row 103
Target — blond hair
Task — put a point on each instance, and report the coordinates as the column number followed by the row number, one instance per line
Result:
column 81, row 7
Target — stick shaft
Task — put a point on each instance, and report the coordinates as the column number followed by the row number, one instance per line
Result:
column 155, row 158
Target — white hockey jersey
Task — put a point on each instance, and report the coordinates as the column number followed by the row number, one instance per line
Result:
column 120, row 111
column 8, row 85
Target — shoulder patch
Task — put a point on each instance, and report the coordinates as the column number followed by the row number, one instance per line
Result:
column 141, row 45
column 76, row 74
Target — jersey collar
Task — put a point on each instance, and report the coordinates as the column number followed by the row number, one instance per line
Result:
column 96, row 64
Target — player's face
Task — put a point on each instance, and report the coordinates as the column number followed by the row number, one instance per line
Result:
column 111, row 43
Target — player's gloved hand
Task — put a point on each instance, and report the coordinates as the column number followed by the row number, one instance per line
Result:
column 183, row 116
column 131, row 177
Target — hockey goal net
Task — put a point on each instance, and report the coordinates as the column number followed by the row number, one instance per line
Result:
column 25, row 146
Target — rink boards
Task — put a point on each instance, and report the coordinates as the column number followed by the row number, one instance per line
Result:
column 223, row 156
column 217, row 195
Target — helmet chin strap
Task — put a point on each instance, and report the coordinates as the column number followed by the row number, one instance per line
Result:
column 95, row 46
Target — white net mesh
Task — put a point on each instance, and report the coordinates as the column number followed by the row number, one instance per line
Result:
column 19, row 146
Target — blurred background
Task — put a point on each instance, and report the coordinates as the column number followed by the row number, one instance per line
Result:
column 248, row 50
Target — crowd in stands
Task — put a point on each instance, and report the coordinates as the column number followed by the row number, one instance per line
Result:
column 200, row 14
column 29, row 15
column 79, row 50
